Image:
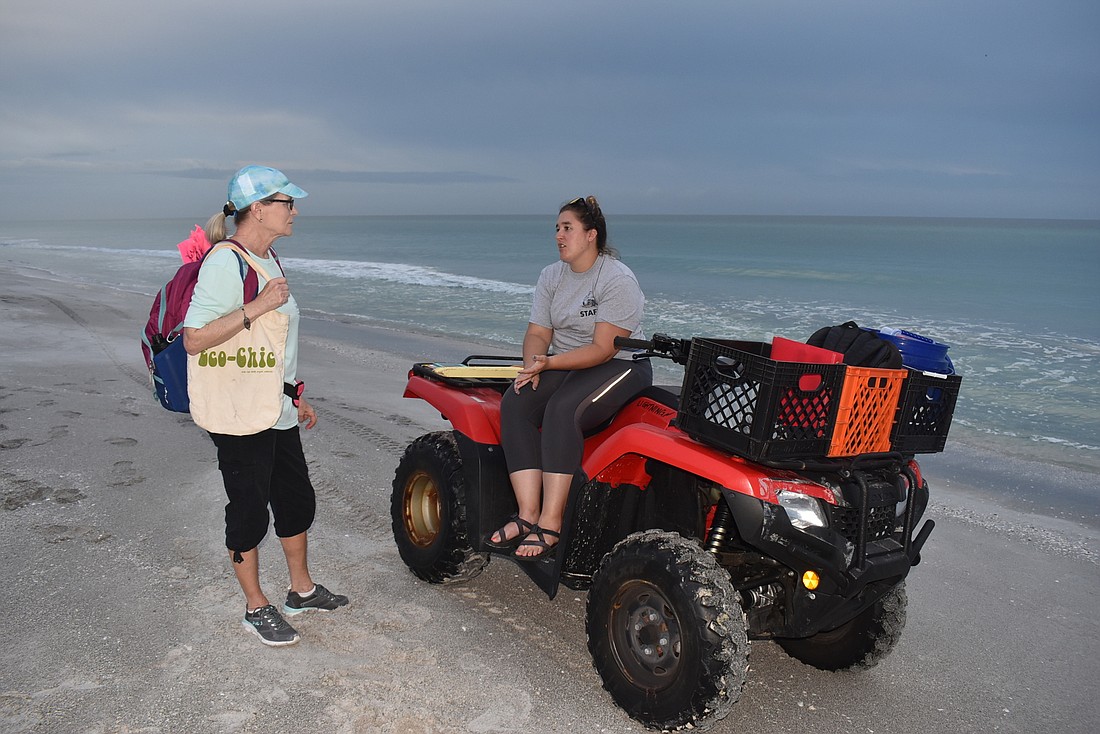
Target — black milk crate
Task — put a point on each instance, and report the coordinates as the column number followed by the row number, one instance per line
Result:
column 924, row 418
column 736, row 398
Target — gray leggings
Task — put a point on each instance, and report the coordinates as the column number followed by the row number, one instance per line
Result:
column 567, row 403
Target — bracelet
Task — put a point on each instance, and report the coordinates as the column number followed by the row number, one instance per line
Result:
column 247, row 321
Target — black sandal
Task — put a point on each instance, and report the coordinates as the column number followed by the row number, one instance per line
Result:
column 525, row 529
column 547, row 548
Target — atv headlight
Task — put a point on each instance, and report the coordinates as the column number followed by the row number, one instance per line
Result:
column 802, row 510
column 903, row 499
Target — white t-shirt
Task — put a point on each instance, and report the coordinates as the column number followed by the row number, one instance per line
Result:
column 572, row 303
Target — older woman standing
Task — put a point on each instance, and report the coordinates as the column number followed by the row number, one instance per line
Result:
column 265, row 469
column 573, row 379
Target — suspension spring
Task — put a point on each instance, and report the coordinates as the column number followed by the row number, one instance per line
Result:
column 720, row 529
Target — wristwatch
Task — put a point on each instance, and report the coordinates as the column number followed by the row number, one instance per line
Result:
column 247, row 321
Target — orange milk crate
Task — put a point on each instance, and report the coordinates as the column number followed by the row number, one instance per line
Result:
column 868, row 407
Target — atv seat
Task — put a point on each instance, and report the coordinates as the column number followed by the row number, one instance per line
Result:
column 667, row 395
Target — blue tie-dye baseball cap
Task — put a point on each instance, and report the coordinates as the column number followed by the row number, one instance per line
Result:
column 253, row 183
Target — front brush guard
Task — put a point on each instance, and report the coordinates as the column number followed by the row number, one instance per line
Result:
column 852, row 576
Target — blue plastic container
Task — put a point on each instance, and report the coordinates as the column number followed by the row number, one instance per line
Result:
column 920, row 352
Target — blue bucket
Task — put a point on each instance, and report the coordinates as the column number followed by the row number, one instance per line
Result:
column 920, row 352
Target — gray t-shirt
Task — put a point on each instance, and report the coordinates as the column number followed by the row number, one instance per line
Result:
column 572, row 303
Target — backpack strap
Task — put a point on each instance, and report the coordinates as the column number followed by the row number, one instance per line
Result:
column 242, row 251
column 250, row 271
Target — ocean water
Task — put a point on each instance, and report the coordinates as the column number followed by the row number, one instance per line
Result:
column 1017, row 300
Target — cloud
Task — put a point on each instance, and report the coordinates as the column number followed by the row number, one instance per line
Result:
column 785, row 106
column 923, row 167
column 371, row 177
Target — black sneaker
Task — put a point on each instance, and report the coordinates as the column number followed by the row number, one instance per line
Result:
column 270, row 626
column 321, row 599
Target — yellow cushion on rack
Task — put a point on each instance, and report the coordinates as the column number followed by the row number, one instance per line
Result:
column 474, row 371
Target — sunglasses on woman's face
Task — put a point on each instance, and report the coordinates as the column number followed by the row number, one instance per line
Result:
column 289, row 202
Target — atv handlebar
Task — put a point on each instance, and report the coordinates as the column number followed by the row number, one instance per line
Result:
column 661, row 345
column 624, row 343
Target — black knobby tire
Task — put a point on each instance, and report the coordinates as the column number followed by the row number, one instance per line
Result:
column 428, row 509
column 859, row 644
column 667, row 632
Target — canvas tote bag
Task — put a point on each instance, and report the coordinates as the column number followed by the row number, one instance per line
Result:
column 236, row 387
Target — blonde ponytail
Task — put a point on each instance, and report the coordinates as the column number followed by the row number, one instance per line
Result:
column 215, row 228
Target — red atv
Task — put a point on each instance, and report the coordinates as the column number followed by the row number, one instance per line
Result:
column 688, row 548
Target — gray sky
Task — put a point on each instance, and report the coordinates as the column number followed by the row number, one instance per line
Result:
column 135, row 108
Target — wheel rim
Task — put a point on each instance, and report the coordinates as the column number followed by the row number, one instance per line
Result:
column 645, row 636
column 421, row 509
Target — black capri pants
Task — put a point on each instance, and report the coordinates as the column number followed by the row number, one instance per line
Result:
column 266, row 468
column 566, row 404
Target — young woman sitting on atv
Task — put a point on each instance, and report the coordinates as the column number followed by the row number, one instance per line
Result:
column 573, row 378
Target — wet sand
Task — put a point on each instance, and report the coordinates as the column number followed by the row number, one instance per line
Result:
column 123, row 615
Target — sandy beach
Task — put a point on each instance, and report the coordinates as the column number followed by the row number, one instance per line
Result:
column 123, row 615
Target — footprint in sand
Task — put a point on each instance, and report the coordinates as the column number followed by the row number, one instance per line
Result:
column 13, row 443
column 18, row 493
column 127, row 477
column 122, row 441
column 67, row 496
column 63, row 533
column 18, row 712
column 511, row 711
column 177, row 660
